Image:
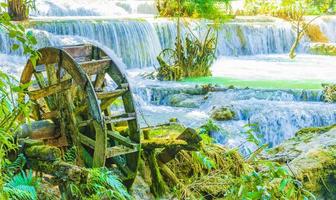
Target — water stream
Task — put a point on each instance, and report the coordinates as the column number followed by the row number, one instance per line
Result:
column 249, row 49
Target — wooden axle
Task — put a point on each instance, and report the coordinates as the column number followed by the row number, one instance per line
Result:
column 41, row 130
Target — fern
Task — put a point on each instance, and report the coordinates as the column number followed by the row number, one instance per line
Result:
column 204, row 160
column 22, row 186
column 17, row 165
column 101, row 184
column 102, row 180
column 70, row 155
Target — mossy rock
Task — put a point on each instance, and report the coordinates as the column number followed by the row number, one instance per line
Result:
column 323, row 49
column 311, row 158
column 222, row 114
column 314, row 130
column 329, row 93
column 185, row 100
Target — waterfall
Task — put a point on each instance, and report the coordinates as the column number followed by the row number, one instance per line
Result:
column 93, row 7
column 139, row 41
column 135, row 41
column 328, row 27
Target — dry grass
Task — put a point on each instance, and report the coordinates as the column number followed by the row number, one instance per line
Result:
column 315, row 34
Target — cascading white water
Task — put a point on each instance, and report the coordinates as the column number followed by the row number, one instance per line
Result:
column 278, row 113
column 52, row 8
column 328, row 27
column 138, row 42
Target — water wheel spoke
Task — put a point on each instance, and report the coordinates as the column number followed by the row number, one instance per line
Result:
column 86, row 140
column 121, row 139
column 111, row 94
column 99, row 82
column 50, row 90
column 95, row 66
column 117, row 120
column 40, row 79
column 119, row 151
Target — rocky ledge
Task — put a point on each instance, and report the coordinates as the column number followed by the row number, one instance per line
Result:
column 311, row 157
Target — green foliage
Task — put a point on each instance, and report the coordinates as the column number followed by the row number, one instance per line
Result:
column 209, row 9
column 23, row 39
column 17, row 165
column 208, row 127
column 204, row 160
column 252, row 136
column 194, row 59
column 21, row 187
column 101, row 184
column 272, row 182
column 329, row 93
column 70, row 155
column 12, row 113
column 281, row 8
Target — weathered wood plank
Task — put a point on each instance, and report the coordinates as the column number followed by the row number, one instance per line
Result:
column 190, row 136
column 117, row 120
column 165, row 143
column 95, row 66
column 79, row 50
column 100, row 145
column 42, row 84
column 111, row 94
column 121, row 139
column 41, row 130
column 86, row 140
column 99, row 82
column 53, row 89
column 118, row 151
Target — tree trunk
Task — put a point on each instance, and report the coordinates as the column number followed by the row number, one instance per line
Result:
column 300, row 34
column 292, row 53
column 332, row 6
column 18, row 10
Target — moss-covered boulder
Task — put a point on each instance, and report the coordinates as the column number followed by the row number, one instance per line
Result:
column 329, row 93
column 222, row 114
column 323, row 49
column 311, row 157
column 185, row 100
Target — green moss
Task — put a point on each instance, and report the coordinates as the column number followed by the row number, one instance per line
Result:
column 314, row 130
column 43, row 152
column 323, row 49
column 317, row 170
column 329, row 92
column 173, row 129
column 222, row 114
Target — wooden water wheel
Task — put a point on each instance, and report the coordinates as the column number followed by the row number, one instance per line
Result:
column 77, row 87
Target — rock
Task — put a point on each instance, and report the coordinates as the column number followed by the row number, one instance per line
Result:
column 311, row 158
column 222, row 114
column 231, row 87
column 185, row 100
column 149, row 75
column 173, row 120
column 323, row 49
